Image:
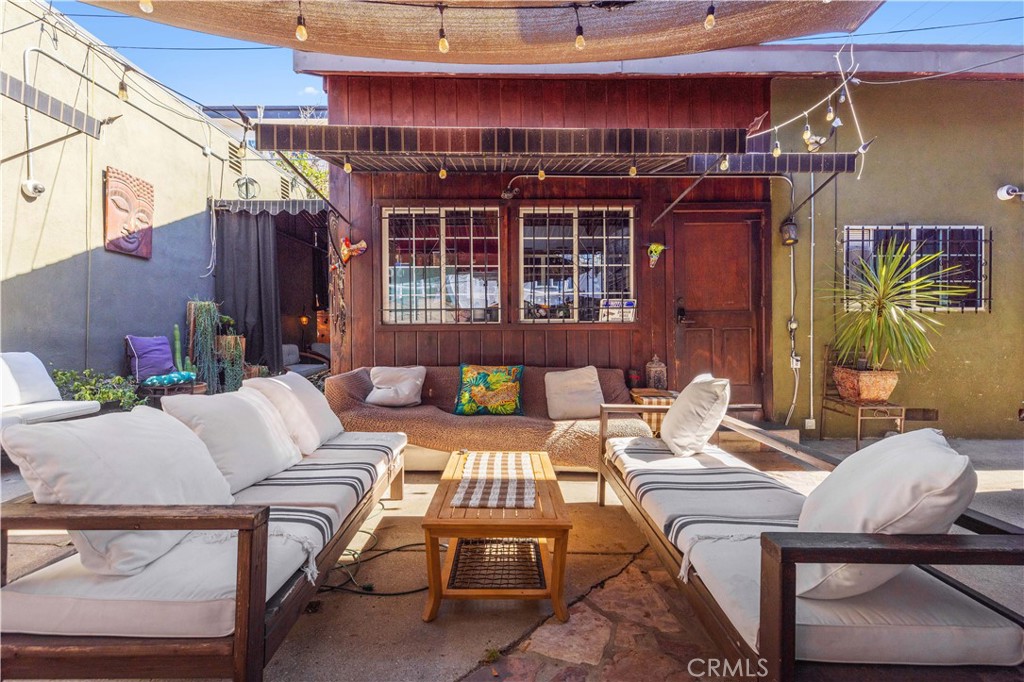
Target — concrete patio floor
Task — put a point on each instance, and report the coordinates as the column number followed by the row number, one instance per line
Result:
column 628, row 622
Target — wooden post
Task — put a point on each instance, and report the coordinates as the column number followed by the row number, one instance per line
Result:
column 337, row 313
column 3, row 557
column 250, row 603
column 777, row 640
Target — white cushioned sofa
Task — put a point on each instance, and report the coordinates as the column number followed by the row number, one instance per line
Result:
column 221, row 561
column 30, row 396
column 742, row 543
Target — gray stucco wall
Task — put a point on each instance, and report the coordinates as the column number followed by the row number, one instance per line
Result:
column 63, row 296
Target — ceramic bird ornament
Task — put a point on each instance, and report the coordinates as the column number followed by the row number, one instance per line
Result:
column 654, row 252
column 348, row 249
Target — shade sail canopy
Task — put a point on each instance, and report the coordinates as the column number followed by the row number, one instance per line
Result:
column 506, row 31
column 563, row 151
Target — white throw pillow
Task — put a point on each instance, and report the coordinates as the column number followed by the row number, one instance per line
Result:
column 908, row 484
column 326, row 422
column 574, row 394
column 695, row 415
column 138, row 457
column 24, row 380
column 243, row 431
column 297, row 420
column 396, row 386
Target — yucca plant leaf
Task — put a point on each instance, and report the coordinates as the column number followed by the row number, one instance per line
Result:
column 882, row 322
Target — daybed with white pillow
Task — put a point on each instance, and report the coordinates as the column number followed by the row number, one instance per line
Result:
column 559, row 412
column 202, row 531
column 30, row 396
column 745, row 547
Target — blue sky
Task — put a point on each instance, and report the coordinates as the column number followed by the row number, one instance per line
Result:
column 249, row 77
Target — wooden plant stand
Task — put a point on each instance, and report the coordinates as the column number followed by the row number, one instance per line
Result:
column 527, row 547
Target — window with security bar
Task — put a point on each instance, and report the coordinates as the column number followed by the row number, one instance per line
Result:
column 441, row 265
column 576, row 264
column 966, row 248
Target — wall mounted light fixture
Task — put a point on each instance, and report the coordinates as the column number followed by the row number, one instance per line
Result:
column 788, row 231
column 1007, row 192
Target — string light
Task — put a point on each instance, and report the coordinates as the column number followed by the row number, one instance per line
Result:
column 580, row 42
column 776, row 149
column 723, row 165
column 632, row 168
column 830, row 112
column 122, row 87
column 348, row 166
column 301, row 34
column 709, row 20
column 443, row 173
column 540, row 172
column 146, row 6
column 442, row 41
column 842, row 94
column 807, row 128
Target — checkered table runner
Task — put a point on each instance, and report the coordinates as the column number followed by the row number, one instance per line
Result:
column 497, row 480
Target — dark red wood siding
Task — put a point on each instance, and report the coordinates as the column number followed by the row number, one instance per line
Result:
column 617, row 102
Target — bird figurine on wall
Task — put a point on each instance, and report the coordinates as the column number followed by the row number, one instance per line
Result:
column 349, row 250
column 654, row 251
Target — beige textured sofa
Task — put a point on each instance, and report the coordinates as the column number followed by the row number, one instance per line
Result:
column 434, row 431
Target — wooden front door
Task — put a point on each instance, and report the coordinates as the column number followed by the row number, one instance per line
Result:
column 716, row 303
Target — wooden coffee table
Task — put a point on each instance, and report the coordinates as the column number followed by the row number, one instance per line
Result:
column 497, row 553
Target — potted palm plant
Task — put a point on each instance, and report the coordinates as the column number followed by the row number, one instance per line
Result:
column 885, row 326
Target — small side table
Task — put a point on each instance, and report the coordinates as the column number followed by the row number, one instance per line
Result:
column 863, row 412
column 653, row 396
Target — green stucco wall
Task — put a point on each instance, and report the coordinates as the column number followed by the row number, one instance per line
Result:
column 942, row 150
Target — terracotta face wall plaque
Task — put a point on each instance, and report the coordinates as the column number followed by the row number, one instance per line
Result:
column 128, row 214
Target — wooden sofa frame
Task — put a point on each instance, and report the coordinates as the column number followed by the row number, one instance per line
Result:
column 260, row 625
column 996, row 543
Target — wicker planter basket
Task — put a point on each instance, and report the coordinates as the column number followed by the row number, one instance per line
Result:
column 865, row 386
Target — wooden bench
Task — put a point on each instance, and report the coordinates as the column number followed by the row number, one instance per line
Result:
column 260, row 626
column 996, row 543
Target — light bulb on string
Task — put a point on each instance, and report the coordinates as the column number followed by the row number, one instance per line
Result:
column 146, row 6
column 442, row 39
column 830, row 113
column 776, row 149
column 633, row 171
column 580, row 41
column 122, row 91
column 723, row 165
column 301, row 34
column 540, row 173
column 443, row 172
column 807, row 128
column 842, row 94
column 709, row 20
column 348, row 166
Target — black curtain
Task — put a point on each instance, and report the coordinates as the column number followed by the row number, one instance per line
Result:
column 247, row 283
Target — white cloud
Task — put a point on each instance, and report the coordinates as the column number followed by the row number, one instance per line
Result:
column 309, row 90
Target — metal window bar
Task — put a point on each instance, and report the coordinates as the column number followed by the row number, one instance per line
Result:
column 601, row 267
column 968, row 246
column 428, row 252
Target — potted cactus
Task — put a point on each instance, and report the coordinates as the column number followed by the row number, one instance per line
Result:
column 883, row 329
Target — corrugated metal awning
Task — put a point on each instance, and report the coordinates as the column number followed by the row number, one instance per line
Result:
column 561, row 151
column 273, row 207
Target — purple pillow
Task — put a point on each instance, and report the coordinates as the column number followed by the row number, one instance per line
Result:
column 151, row 356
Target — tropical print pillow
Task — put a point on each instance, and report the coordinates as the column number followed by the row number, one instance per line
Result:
column 490, row 390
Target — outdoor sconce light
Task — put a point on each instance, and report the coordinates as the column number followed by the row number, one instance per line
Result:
column 788, row 230
column 1007, row 192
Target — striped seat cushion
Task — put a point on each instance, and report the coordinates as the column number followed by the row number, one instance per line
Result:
column 359, row 443
column 188, row 592
column 711, row 494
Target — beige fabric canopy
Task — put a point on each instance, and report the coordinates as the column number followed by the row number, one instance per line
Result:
column 506, row 31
